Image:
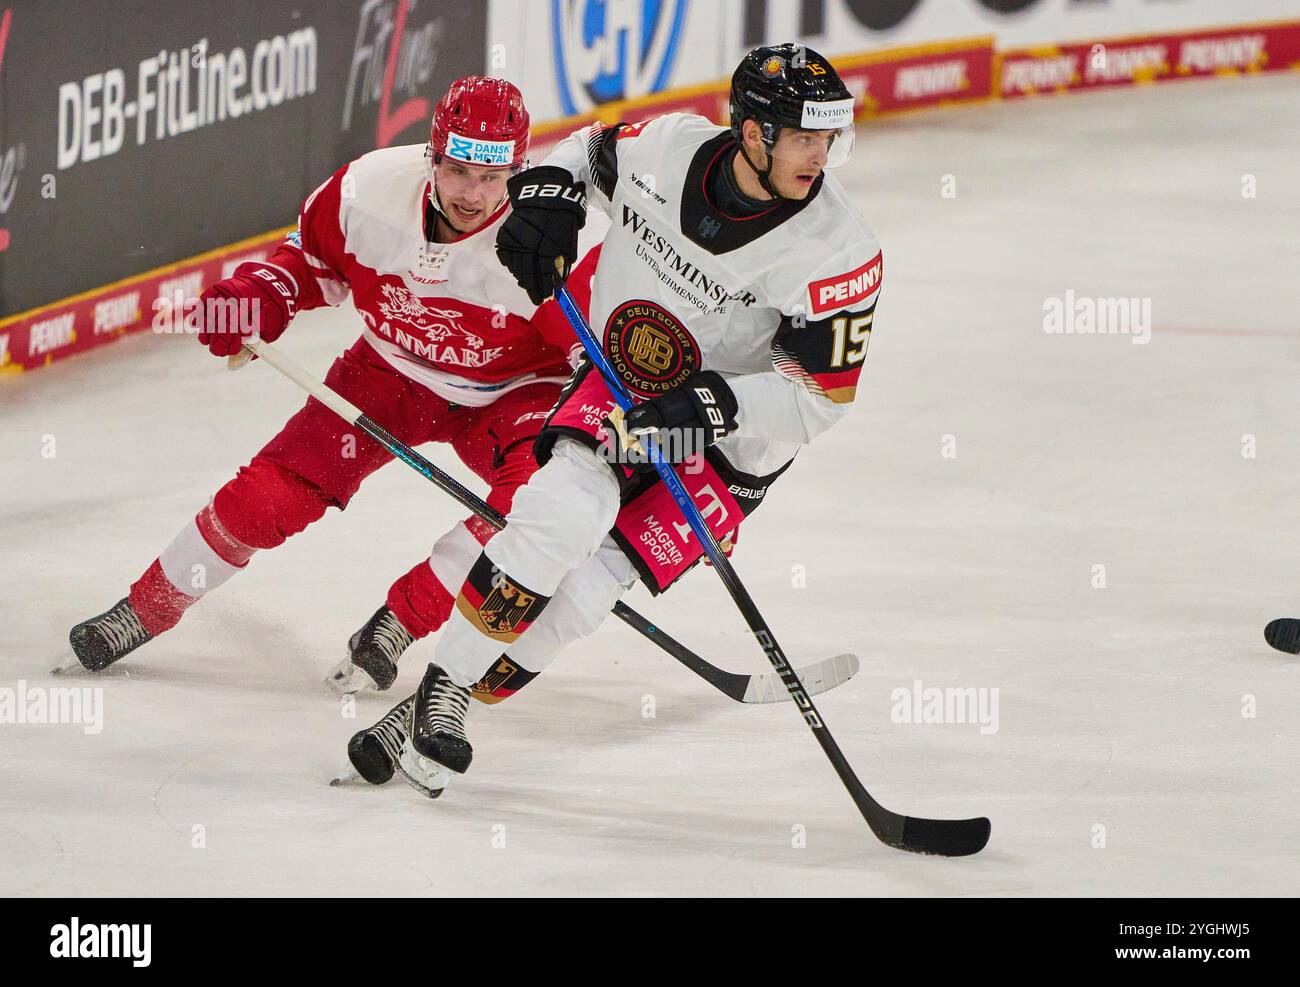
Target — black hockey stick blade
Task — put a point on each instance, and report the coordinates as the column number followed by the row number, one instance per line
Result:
column 916, row 834
column 946, row 837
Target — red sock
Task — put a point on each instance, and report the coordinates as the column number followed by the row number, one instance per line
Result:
column 420, row 601
column 157, row 601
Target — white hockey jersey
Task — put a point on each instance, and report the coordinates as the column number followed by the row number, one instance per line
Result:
column 781, row 303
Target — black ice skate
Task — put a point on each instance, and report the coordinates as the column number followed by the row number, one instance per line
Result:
column 438, row 721
column 102, row 640
column 1284, row 634
column 374, row 751
column 372, row 655
column 376, row 754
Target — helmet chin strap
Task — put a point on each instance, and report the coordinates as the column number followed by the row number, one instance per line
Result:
column 437, row 207
column 764, row 174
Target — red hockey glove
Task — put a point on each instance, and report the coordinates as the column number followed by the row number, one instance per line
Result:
column 257, row 300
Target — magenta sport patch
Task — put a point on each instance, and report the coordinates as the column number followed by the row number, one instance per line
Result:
column 586, row 409
column 653, row 531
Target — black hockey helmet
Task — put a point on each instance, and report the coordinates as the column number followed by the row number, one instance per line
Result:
column 790, row 85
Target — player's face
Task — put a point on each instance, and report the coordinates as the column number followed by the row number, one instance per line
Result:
column 798, row 157
column 468, row 194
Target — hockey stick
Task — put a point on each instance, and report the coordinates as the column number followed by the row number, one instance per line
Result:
column 763, row 688
column 949, row 837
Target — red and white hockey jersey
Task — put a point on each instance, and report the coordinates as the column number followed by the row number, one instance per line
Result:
column 447, row 315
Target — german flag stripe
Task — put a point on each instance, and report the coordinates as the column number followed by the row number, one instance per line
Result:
column 496, row 605
column 838, row 380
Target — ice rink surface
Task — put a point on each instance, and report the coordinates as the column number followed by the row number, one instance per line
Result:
column 1147, row 713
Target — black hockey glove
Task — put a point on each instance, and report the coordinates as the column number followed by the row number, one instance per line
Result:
column 693, row 415
column 547, row 209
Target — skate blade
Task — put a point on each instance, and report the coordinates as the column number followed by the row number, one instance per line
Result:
column 431, row 793
column 437, row 776
column 69, row 664
column 345, row 679
column 347, row 776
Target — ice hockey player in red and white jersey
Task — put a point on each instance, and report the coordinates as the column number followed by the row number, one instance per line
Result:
column 734, row 295
column 452, row 350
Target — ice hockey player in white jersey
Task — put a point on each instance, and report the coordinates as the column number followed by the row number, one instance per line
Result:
column 734, row 295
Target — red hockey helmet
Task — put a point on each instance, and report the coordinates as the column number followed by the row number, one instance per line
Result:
column 481, row 121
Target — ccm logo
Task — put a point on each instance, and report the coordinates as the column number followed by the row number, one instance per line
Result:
column 552, row 191
column 845, row 289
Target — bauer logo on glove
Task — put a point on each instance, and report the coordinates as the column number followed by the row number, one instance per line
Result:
column 258, row 300
column 548, row 208
column 681, row 422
